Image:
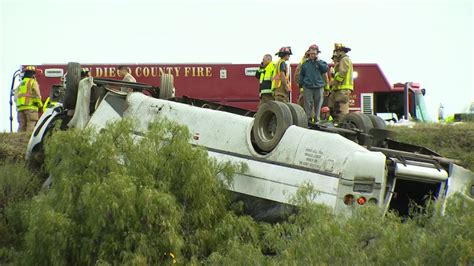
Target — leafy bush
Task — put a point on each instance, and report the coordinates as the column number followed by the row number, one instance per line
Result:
column 121, row 199
column 317, row 236
column 117, row 198
column 17, row 187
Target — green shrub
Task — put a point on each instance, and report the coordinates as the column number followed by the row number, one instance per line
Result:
column 117, row 198
column 121, row 199
column 17, row 187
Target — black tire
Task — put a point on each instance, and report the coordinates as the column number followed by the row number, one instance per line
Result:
column 298, row 115
column 166, row 86
column 271, row 122
column 73, row 77
column 356, row 121
column 377, row 122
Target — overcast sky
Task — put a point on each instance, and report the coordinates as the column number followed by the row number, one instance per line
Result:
column 427, row 41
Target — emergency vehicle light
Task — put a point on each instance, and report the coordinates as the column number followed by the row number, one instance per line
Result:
column 53, row 72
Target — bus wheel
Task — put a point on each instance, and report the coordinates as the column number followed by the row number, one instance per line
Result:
column 380, row 132
column 377, row 122
column 357, row 121
column 73, row 77
column 271, row 122
column 166, row 86
column 300, row 119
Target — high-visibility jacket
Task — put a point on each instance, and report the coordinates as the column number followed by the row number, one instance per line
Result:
column 329, row 118
column 344, row 80
column 265, row 75
column 27, row 98
column 449, row 119
column 277, row 79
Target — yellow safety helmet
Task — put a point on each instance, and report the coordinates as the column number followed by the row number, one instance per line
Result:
column 341, row 47
column 29, row 68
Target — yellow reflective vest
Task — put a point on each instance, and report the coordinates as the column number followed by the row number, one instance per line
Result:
column 449, row 119
column 344, row 80
column 265, row 76
column 277, row 79
column 27, row 98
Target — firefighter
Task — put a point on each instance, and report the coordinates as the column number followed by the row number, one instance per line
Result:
column 28, row 100
column 124, row 71
column 281, row 81
column 265, row 74
column 326, row 115
column 342, row 84
column 312, row 78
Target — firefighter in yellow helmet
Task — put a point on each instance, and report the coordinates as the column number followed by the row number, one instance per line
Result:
column 28, row 100
column 342, row 83
column 281, row 80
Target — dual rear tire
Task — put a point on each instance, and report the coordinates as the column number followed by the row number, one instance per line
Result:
column 274, row 118
column 271, row 122
column 362, row 122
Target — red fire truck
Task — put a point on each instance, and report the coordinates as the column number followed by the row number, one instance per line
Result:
column 235, row 85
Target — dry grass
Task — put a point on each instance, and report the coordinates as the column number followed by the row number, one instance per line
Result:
column 13, row 146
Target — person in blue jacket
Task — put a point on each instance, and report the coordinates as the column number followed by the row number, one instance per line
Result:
column 312, row 79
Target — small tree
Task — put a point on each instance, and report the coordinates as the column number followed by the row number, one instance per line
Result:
column 120, row 198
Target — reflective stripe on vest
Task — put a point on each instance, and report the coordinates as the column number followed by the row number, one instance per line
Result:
column 26, row 100
column 266, row 83
column 277, row 79
column 347, row 81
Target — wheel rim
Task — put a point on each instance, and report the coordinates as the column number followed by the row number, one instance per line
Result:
column 268, row 128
